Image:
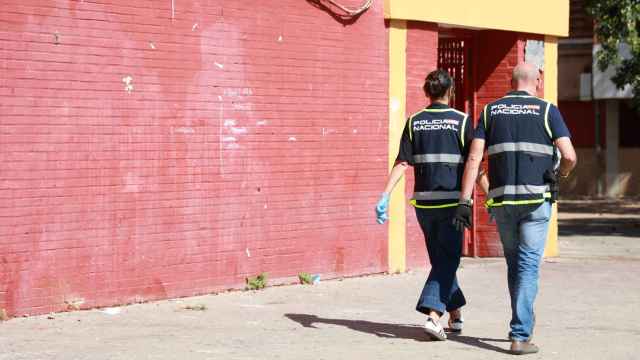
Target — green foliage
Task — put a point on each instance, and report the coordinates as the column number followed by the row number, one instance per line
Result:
column 257, row 282
column 617, row 22
column 305, row 278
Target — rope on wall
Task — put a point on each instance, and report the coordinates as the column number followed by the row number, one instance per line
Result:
column 349, row 12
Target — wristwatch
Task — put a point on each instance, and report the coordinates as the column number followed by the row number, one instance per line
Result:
column 468, row 202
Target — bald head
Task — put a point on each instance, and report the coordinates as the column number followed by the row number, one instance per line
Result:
column 525, row 77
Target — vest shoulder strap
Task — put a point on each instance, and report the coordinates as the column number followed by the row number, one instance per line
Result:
column 463, row 126
column 410, row 123
column 546, row 119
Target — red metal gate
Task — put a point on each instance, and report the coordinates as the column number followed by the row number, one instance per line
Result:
column 455, row 50
column 454, row 55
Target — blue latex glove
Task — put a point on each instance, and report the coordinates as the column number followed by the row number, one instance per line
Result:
column 381, row 209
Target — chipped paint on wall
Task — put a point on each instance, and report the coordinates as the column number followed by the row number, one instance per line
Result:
column 128, row 86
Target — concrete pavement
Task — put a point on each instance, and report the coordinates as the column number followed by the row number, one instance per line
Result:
column 588, row 308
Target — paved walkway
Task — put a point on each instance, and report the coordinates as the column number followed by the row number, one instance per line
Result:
column 588, row 308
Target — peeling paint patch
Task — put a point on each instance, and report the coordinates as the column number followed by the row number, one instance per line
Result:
column 292, row 138
column 152, row 45
column 327, row 131
column 185, row 130
column 220, row 66
column 247, row 252
column 128, row 86
column 231, row 146
column 261, row 122
column 194, row 27
column 228, row 139
column 241, row 130
column 280, row 38
column 219, row 98
column 245, row 91
column 229, row 122
column 242, row 106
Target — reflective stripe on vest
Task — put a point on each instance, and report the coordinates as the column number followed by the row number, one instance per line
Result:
column 521, row 146
column 518, row 190
column 442, row 206
column 436, row 195
column 492, row 203
column 437, row 158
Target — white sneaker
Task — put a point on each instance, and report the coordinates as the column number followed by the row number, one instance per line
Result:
column 434, row 329
column 456, row 325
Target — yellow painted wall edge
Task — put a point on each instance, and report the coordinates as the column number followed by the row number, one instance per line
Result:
column 397, row 104
column 551, row 94
column 547, row 17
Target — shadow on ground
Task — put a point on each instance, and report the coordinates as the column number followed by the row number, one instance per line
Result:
column 395, row 331
column 599, row 227
column 601, row 206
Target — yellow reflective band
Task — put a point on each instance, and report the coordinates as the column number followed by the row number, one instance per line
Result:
column 490, row 203
column 411, row 124
column 520, row 96
column 546, row 121
column 484, row 112
column 464, row 125
column 411, row 128
column 414, row 203
column 439, row 110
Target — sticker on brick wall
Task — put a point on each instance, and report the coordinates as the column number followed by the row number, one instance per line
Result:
column 534, row 53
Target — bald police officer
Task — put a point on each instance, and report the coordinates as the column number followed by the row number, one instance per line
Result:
column 521, row 133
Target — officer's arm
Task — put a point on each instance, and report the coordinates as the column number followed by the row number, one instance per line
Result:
column 568, row 153
column 471, row 168
column 483, row 181
column 395, row 176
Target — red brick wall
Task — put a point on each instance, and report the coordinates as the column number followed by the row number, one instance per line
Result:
column 253, row 140
column 422, row 58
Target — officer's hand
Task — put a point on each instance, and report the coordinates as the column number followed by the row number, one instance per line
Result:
column 551, row 177
column 463, row 217
column 381, row 209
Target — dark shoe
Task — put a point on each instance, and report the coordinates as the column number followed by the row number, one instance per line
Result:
column 456, row 325
column 523, row 348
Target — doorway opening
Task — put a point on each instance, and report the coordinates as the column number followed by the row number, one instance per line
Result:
column 455, row 51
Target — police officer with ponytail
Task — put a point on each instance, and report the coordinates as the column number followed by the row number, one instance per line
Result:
column 435, row 143
column 521, row 133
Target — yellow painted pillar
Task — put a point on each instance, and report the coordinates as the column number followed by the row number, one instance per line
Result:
column 397, row 104
column 551, row 94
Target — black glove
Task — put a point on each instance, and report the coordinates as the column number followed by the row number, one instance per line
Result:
column 551, row 177
column 463, row 217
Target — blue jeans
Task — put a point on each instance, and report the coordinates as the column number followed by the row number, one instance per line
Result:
column 441, row 292
column 523, row 232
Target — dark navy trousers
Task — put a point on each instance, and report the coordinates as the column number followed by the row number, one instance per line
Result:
column 441, row 292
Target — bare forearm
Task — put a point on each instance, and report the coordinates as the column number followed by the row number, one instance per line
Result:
column 469, row 178
column 471, row 168
column 396, row 174
column 483, row 182
column 569, row 158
